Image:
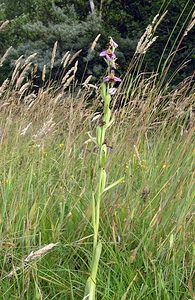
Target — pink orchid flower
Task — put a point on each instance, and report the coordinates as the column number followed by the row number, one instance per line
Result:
column 112, row 78
column 110, row 56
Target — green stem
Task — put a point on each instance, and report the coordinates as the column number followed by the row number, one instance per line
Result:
column 97, row 198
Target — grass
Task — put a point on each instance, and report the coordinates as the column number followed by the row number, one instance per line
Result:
column 146, row 222
column 48, row 173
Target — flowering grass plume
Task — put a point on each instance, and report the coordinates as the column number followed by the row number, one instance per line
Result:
column 107, row 90
column 32, row 257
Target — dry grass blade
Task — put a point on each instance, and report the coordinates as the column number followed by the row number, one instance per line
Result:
column 74, row 56
column 158, row 21
column 17, row 68
column 54, row 54
column 4, row 86
column 65, row 60
column 24, row 130
column 29, row 58
column 5, row 56
column 95, row 42
column 39, row 253
column 24, row 87
column 43, row 73
column 68, row 82
column 64, row 57
column 72, row 70
column 22, row 76
column 57, row 99
column 67, row 75
column 30, row 100
column 87, row 80
column 191, row 24
column 75, row 68
column 31, row 257
column 45, row 129
column 147, row 38
column 3, row 25
column 26, row 66
column 19, row 60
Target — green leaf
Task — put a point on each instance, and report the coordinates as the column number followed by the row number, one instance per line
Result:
column 113, row 184
column 96, row 259
column 91, row 281
column 107, row 99
column 103, row 155
column 103, row 180
column 103, row 91
column 98, row 135
column 89, row 290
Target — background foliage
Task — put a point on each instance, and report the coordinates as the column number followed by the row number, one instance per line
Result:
column 36, row 25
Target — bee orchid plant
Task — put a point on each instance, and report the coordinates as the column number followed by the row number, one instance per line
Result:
column 107, row 90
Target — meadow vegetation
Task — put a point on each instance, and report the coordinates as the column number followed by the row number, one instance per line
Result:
column 48, row 172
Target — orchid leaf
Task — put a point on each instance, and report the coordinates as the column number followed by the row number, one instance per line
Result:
column 103, row 90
